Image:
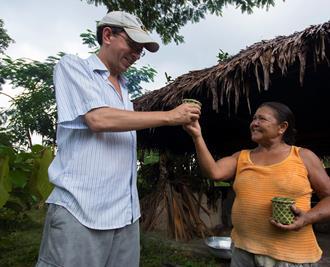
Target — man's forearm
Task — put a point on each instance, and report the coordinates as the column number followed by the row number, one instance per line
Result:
column 116, row 120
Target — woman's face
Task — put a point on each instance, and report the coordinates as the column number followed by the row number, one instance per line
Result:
column 264, row 126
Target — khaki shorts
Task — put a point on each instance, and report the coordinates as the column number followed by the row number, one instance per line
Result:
column 68, row 243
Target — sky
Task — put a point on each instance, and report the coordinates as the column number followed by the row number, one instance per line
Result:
column 42, row 28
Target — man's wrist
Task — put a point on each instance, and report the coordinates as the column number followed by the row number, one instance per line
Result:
column 168, row 118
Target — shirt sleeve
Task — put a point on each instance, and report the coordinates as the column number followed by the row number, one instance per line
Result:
column 76, row 91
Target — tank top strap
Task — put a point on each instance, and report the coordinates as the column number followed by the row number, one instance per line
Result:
column 295, row 151
column 244, row 155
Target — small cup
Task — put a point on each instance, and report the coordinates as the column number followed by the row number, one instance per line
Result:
column 192, row 101
column 281, row 210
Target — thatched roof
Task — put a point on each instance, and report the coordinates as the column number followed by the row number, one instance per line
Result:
column 291, row 69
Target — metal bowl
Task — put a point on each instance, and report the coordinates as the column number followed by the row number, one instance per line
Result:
column 219, row 246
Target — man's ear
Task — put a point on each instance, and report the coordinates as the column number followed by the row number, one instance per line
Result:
column 107, row 35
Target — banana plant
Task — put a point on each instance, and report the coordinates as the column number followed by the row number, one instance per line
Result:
column 24, row 177
column 5, row 184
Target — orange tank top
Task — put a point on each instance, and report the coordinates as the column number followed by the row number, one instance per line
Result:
column 254, row 187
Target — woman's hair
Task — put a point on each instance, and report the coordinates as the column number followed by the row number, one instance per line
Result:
column 283, row 113
column 99, row 32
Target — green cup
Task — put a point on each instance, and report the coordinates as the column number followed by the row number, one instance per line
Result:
column 281, row 210
column 191, row 101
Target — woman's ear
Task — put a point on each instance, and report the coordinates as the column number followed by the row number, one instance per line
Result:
column 283, row 126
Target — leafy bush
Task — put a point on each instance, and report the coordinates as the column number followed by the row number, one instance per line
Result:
column 24, row 177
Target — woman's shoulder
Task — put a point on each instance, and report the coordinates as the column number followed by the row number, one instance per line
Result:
column 305, row 152
column 241, row 153
column 308, row 156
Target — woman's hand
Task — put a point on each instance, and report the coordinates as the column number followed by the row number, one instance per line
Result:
column 193, row 128
column 298, row 223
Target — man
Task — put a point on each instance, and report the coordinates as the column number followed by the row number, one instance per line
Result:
column 93, row 212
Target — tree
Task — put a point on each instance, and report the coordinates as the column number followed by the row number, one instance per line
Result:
column 167, row 17
column 222, row 56
column 34, row 110
column 5, row 40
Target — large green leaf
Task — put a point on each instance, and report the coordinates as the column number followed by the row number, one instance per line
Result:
column 7, row 151
column 39, row 183
column 37, row 148
column 5, row 185
column 4, row 196
column 4, row 173
column 19, row 178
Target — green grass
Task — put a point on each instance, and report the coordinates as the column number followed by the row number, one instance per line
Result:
column 20, row 240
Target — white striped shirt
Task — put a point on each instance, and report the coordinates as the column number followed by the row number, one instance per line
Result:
column 94, row 173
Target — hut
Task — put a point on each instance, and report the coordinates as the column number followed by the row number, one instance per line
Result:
column 292, row 69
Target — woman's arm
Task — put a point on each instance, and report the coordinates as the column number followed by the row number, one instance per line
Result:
column 223, row 169
column 320, row 182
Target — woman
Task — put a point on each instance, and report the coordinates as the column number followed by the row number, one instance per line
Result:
column 274, row 168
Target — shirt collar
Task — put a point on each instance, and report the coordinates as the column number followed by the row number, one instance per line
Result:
column 97, row 65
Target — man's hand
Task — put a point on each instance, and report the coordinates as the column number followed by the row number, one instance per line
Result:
column 299, row 220
column 184, row 114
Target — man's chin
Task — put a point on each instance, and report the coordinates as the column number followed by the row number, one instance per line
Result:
column 123, row 69
column 125, row 64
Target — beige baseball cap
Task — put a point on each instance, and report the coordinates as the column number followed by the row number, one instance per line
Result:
column 132, row 26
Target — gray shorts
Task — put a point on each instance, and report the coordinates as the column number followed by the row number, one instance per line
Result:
column 243, row 258
column 68, row 243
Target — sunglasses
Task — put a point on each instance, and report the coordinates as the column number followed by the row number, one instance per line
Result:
column 136, row 47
